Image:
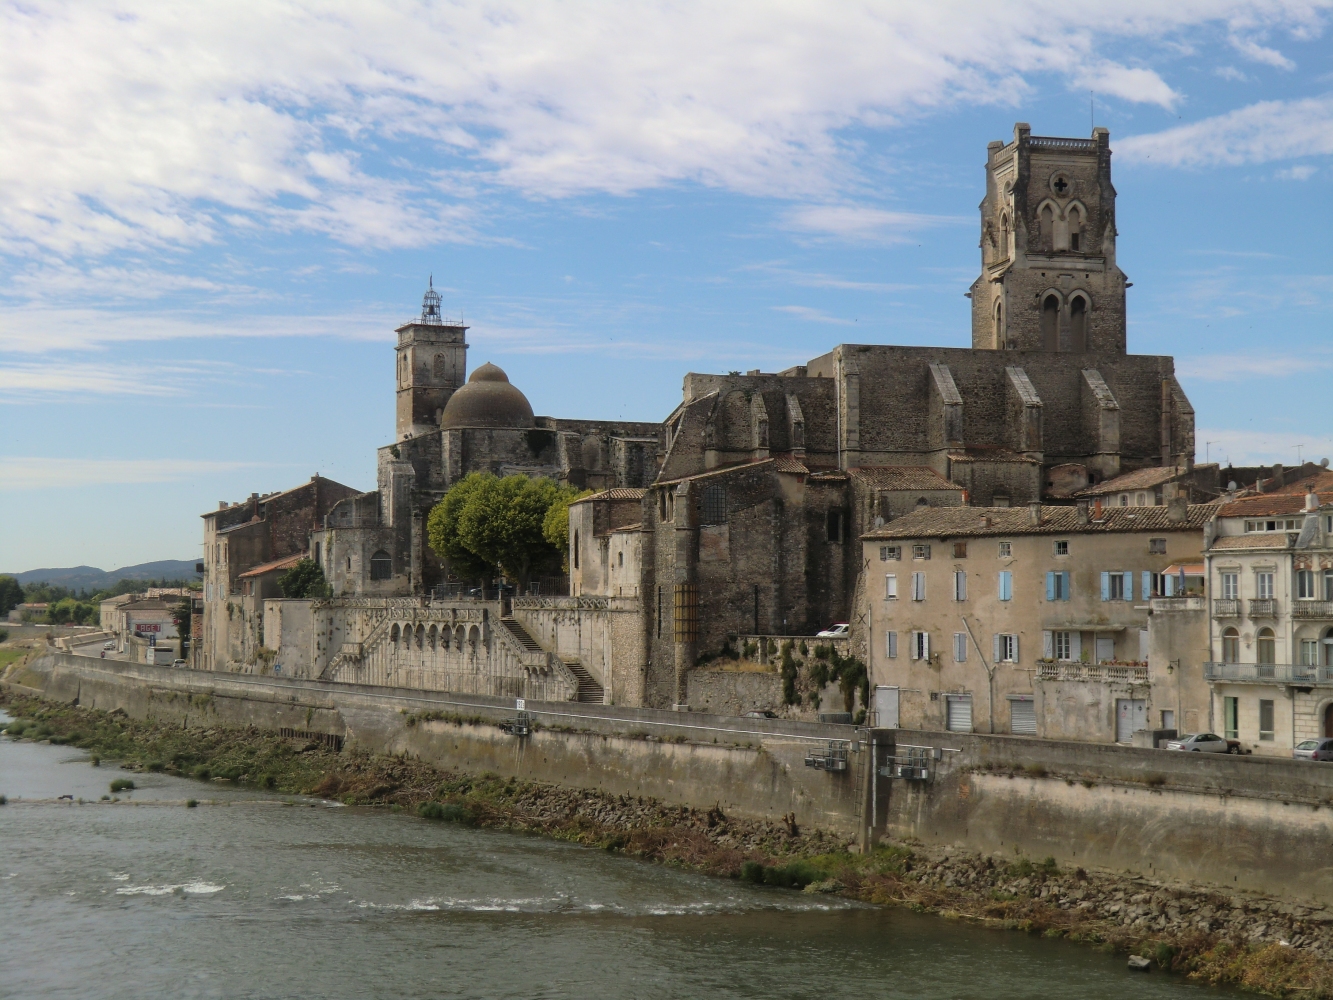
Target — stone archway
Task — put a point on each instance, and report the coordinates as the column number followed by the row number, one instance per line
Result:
column 1328, row 720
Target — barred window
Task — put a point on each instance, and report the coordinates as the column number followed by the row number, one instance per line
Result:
column 714, row 507
column 381, row 566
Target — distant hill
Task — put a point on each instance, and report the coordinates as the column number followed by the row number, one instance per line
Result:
column 92, row 578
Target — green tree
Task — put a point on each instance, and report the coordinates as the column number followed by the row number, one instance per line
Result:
column 304, row 580
column 555, row 526
column 11, row 594
column 69, row 609
column 485, row 523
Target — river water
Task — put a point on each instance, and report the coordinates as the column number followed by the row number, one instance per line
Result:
column 253, row 895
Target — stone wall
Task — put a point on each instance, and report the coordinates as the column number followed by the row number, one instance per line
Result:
column 605, row 634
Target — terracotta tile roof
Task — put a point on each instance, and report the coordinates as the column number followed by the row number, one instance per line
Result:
column 269, row 567
column 902, row 477
column 785, row 463
column 1269, row 504
column 991, row 455
column 615, row 493
column 1140, row 479
column 1260, row 540
column 955, row 522
column 1320, row 483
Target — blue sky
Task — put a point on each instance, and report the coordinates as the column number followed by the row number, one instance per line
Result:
column 212, row 216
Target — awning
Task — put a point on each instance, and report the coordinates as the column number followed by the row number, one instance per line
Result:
column 1189, row 569
column 1086, row 627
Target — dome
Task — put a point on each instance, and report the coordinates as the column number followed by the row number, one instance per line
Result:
column 488, row 400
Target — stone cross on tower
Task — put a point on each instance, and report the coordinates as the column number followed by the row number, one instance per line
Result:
column 431, row 360
column 1049, row 280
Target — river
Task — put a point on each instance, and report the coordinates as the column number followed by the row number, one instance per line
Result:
column 255, row 895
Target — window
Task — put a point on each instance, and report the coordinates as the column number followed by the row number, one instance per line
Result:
column 891, row 645
column 1263, row 586
column 1230, row 586
column 318, row 560
column 659, row 612
column 441, row 367
column 889, row 553
column 835, row 526
column 1305, row 585
column 891, row 587
column 1050, row 316
column 1124, row 499
column 1265, row 645
column 1231, row 717
column 918, row 586
column 1006, row 550
column 1062, row 548
column 960, row 586
column 960, row 647
column 713, row 509
column 1309, row 652
column 960, row 550
column 381, row 566
column 921, row 645
column 1063, row 648
column 920, row 551
column 1078, row 313
column 576, row 549
column 1006, row 648
column 1117, row 586
column 1140, row 499
column 1157, row 546
column 1075, row 234
column 1328, row 583
column 1057, row 586
column 958, row 713
column 620, row 559
column 1006, row 588
column 1265, row 719
column 1230, row 645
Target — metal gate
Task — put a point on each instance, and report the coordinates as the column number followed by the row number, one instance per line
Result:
column 1130, row 714
column 1022, row 717
column 886, row 707
column 958, row 713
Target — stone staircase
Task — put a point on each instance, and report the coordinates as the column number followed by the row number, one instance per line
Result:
column 589, row 693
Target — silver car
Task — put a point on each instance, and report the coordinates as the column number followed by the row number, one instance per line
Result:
column 1321, row 749
column 1204, row 743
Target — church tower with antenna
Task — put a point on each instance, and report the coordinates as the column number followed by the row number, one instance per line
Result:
column 431, row 364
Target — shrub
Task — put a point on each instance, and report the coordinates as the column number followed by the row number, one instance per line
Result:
column 795, row 875
column 16, row 727
column 447, row 812
column 752, row 871
column 267, row 781
column 155, row 765
column 122, row 785
column 202, row 772
column 191, row 803
column 3, row 801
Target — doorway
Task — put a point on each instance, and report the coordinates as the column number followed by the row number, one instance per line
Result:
column 886, row 707
column 1328, row 720
column 1105, row 648
column 1131, row 715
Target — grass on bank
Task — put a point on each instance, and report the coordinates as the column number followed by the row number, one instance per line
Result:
column 762, row 853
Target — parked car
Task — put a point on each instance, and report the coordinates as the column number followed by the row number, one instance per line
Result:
column 109, row 644
column 839, row 631
column 762, row 713
column 1321, row 749
column 1204, row 743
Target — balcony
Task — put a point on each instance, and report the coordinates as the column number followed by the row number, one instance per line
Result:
column 1099, row 673
column 1312, row 609
column 1269, row 673
column 1226, row 609
column 1266, row 608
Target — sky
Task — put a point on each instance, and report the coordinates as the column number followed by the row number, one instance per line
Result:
column 213, row 215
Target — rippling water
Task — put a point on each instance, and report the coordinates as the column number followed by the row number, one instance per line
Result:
column 249, row 896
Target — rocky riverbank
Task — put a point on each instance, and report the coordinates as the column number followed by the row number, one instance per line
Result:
column 1264, row 945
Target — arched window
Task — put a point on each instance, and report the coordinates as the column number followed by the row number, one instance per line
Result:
column 393, row 635
column 430, row 637
column 1328, row 647
column 1078, row 323
column 999, row 325
column 1047, row 228
column 1265, row 644
column 421, row 636
column 714, row 507
column 576, row 550
column 441, row 369
column 1050, row 324
column 381, row 566
column 1230, row 645
column 1075, row 230
column 1004, row 236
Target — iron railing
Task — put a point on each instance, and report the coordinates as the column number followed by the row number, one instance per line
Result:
column 1226, row 609
column 1265, row 608
column 1312, row 609
column 1261, row 673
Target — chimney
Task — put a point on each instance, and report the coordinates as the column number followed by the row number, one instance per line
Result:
column 1082, row 512
column 985, row 520
column 1311, row 501
column 222, row 505
column 1278, row 479
column 1034, row 514
column 1177, row 510
column 1097, row 510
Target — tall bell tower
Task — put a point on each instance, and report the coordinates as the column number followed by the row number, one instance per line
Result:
column 432, row 361
column 1049, row 280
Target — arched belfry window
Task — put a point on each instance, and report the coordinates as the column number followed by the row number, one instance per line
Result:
column 999, row 325
column 1004, row 236
column 714, row 507
column 381, row 566
column 576, row 550
column 1047, row 228
column 1078, row 323
column 441, row 367
column 1075, row 229
column 1050, row 323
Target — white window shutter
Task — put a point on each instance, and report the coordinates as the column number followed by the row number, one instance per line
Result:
column 1015, row 647
column 1075, row 646
column 995, row 658
column 925, row 645
column 1048, row 645
column 891, row 644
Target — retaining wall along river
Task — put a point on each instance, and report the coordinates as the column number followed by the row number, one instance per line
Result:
column 1260, row 824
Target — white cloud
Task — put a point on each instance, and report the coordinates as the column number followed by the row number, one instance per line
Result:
column 812, row 315
column 1259, row 447
column 1259, row 133
column 1245, row 367
column 1230, row 73
column 378, row 124
column 1255, row 52
column 23, row 473
column 861, row 223
column 1300, row 172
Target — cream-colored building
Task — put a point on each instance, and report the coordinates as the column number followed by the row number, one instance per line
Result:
column 1270, row 581
column 1029, row 620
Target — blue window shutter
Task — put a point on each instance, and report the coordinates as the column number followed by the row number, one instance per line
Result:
column 1145, row 580
column 1065, row 590
column 1106, row 586
column 1129, row 586
column 1050, row 586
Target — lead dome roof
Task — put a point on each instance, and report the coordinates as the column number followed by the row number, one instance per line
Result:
column 487, row 400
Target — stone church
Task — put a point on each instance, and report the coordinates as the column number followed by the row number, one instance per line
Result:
column 741, row 513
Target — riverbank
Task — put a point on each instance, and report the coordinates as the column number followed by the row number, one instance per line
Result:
column 1260, row 944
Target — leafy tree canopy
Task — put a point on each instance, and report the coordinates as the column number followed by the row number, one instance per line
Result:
column 555, row 526
column 304, row 580
column 11, row 594
column 485, row 523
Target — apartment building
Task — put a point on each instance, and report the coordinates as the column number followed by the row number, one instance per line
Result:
column 1029, row 620
column 1270, row 578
